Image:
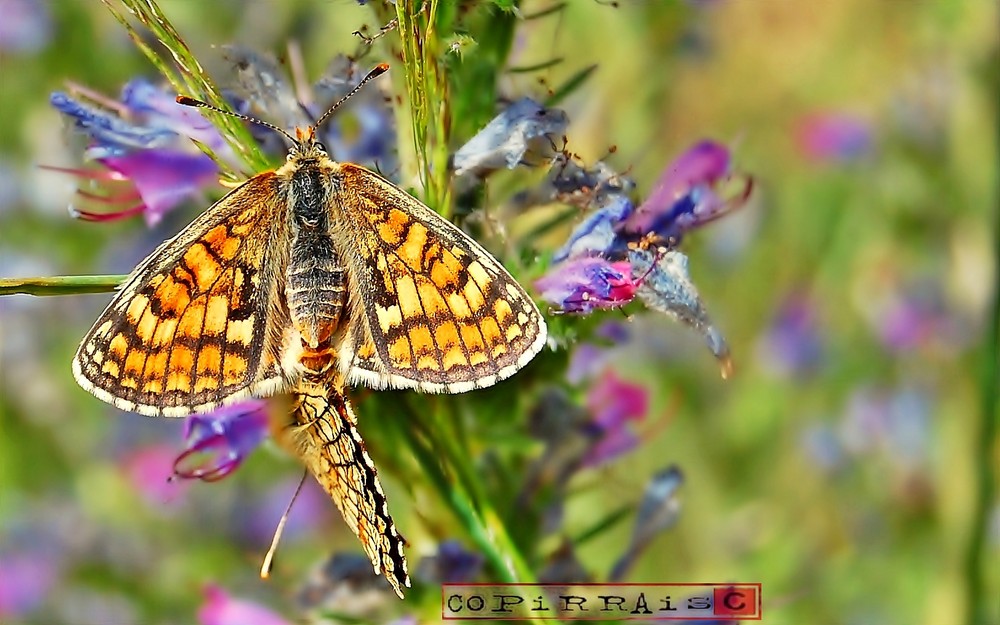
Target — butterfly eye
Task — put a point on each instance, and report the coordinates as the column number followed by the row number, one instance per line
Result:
column 292, row 153
column 321, row 147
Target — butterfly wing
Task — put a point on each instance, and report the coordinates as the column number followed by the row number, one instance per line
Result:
column 434, row 310
column 198, row 323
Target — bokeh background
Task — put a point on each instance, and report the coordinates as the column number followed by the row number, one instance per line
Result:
column 839, row 466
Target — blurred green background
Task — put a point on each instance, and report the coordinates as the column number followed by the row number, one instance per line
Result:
column 839, row 466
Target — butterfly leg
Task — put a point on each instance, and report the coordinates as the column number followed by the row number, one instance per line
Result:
column 323, row 433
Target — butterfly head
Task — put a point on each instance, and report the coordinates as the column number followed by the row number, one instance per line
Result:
column 305, row 146
column 304, row 143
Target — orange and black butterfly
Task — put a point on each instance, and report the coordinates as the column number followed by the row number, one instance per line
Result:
column 304, row 280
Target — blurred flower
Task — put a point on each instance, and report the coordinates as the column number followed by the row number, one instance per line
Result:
column 27, row 579
column 564, row 567
column 345, row 584
column 452, row 564
column 793, row 344
column 150, row 471
column 525, row 131
column 824, row 447
column 362, row 132
column 217, row 443
column 221, row 608
column 589, row 359
column 658, row 512
column 613, row 403
column 913, row 318
column 585, row 284
column 260, row 513
column 26, row 25
column 144, row 140
column 834, row 137
column 897, row 421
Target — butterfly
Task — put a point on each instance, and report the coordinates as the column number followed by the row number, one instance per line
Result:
column 305, row 280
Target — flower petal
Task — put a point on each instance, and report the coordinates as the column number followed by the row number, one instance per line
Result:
column 164, row 178
column 665, row 285
column 217, row 443
column 596, row 234
column 525, row 131
column 581, row 285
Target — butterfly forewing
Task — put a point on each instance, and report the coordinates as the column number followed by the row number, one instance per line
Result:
column 439, row 313
column 197, row 324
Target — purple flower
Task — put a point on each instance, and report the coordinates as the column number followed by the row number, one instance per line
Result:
column 217, row 443
column 585, row 284
column 688, row 194
column 26, row 581
column 146, row 140
column 833, row 137
column 26, row 25
column 221, row 608
column 613, row 403
column 793, row 345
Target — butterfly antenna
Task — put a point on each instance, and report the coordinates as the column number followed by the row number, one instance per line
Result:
column 265, row 568
column 379, row 69
column 186, row 101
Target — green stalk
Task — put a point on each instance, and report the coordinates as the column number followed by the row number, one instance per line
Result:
column 60, row 285
column 189, row 78
column 980, row 602
column 427, row 91
column 465, row 498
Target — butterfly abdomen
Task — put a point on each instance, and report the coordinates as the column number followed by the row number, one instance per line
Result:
column 323, row 433
column 315, row 287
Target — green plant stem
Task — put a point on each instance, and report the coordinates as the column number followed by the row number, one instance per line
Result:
column 978, row 597
column 470, row 507
column 427, row 91
column 186, row 75
column 60, row 285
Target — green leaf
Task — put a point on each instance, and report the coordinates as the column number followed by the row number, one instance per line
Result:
column 575, row 82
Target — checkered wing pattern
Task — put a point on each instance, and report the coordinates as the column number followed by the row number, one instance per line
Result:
column 196, row 324
column 436, row 311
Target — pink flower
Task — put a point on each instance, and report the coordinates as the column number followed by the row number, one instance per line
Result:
column 833, row 136
column 614, row 403
column 150, row 471
column 221, row 608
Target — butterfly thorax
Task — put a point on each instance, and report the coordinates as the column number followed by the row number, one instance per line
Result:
column 315, row 279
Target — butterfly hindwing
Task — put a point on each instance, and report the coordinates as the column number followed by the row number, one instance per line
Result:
column 437, row 311
column 194, row 325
